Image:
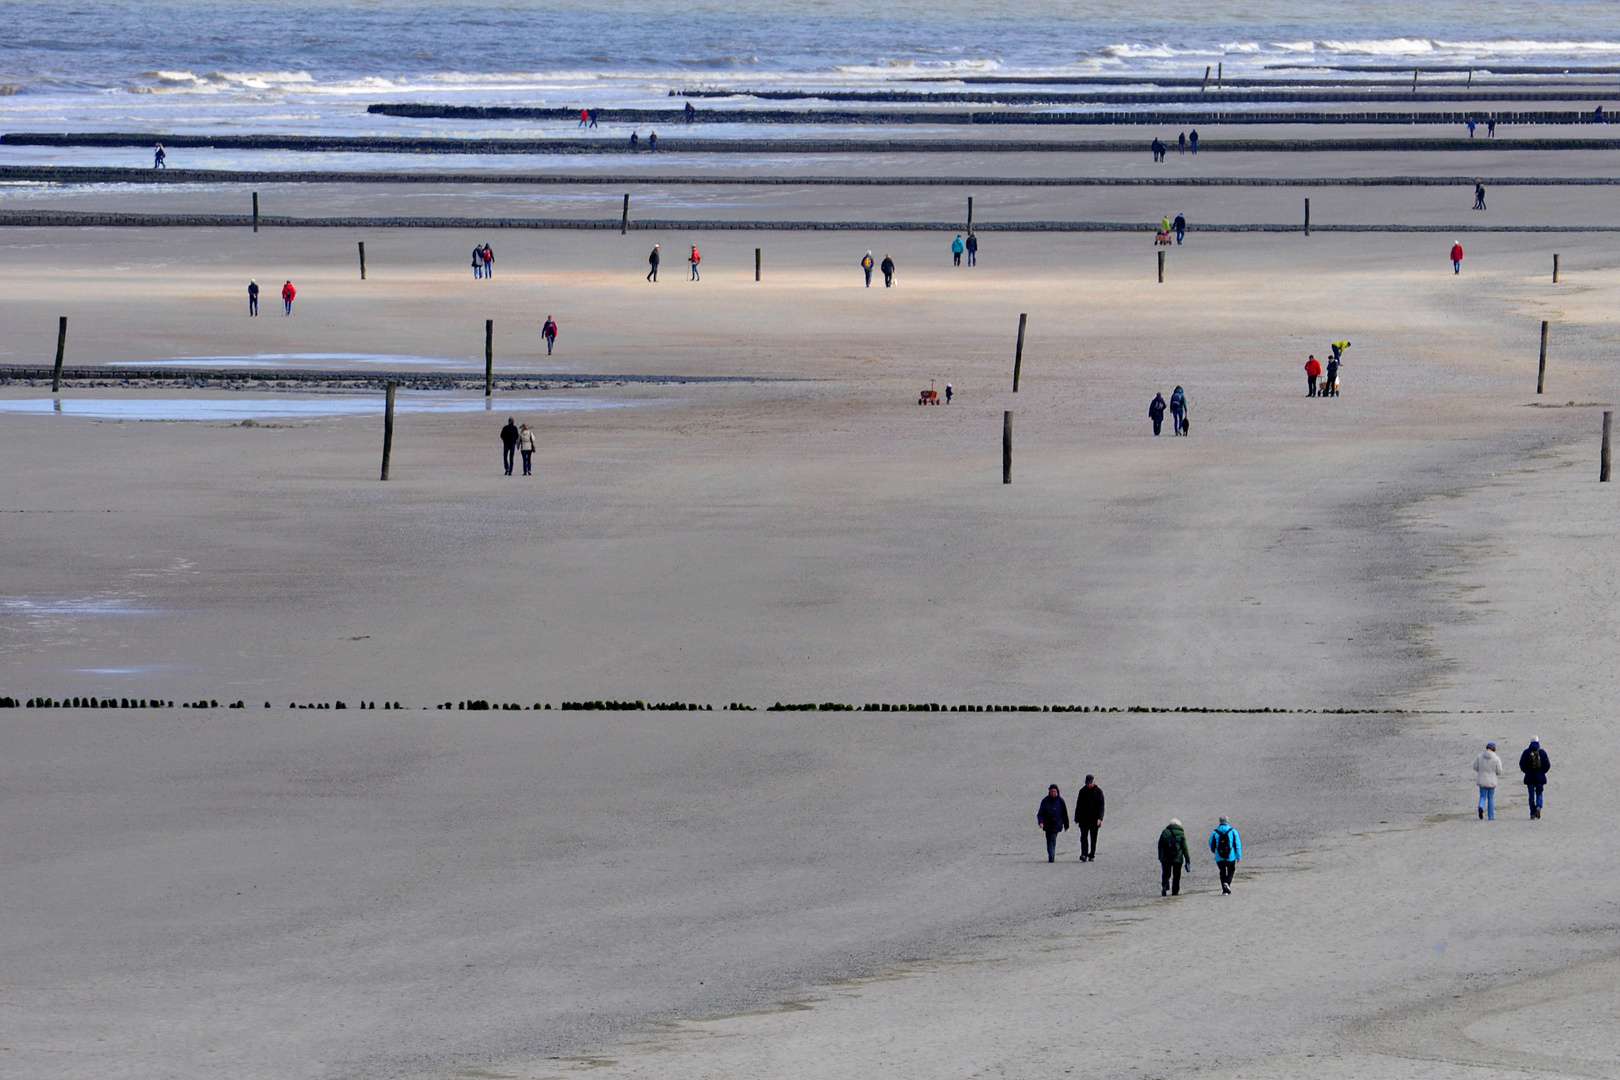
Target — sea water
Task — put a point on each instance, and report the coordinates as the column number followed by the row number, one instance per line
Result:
column 312, row 66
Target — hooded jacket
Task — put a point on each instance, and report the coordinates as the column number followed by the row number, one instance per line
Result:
column 1534, row 763
column 1053, row 816
column 1156, row 407
column 1178, row 401
column 1173, row 846
column 1487, row 767
column 1234, row 843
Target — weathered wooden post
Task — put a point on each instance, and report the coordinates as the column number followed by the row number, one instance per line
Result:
column 1603, row 456
column 756, row 264
column 61, row 344
column 1205, row 85
column 255, row 211
column 1006, row 447
column 362, row 260
column 1219, row 76
column 1555, row 268
column 624, row 222
column 970, row 215
column 1414, row 80
column 1541, row 371
column 388, row 427
column 489, row 357
column 1307, row 217
column 1161, row 267
column 1018, row 354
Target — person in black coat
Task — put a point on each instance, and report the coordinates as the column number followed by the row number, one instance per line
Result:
column 887, row 266
column 1053, row 818
column 509, row 438
column 1534, row 763
column 1156, row 412
column 1088, row 815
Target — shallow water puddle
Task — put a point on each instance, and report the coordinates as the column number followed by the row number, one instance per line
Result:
column 246, row 407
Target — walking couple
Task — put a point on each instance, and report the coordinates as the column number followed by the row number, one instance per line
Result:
column 516, row 438
column 1179, row 423
column 1053, row 818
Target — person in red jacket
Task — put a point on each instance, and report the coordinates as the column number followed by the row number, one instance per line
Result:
column 1312, row 370
column 287, row 294
column 549, row 332
column 1456, row 258
column 694, row 259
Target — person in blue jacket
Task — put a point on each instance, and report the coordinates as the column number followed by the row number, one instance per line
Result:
column 1178, row 411
column 957, row 247
column 1534, row 763
column 1156, row 411
column 1227, row 847
column 1053, row 818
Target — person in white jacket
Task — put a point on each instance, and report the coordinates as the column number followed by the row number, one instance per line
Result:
column 1487, row 767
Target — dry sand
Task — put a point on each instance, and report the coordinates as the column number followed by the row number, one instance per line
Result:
column 429, row 893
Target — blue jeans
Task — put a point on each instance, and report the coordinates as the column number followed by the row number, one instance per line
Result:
column 1456, row 266
column 1533, row 792
column 1487, row 802
column 1051, row 844
column 507, row 454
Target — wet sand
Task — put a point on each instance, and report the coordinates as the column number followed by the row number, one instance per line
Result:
column 431, row 893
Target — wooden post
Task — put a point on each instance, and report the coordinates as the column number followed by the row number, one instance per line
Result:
column 1603, row 456
column 756, row 264
column 1205, row 85
column 489, row 357
column 624, row 222
column 1018, row 354
column 255, row 211
column 1470, row 78
column 970, row 215
column 1219, row 77
column 1307, row 217
column 362, row 260
column 1541, row 371
column 388, row 427
column 1555, row 268
column 61, row 344
column 1006, row 447
column 1161, row 267
column 1414, row 80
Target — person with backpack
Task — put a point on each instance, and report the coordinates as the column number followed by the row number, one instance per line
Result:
column 866, row 265
column 1178, row 411
column 1312, row 370
column 1534, row 763
column 1173, row 856
column 509, row 440
column 549, row 332
column 1088, row 815
column 1156, row 411
column 253, row 297
column 973, row 249
column 888, row 270
column 1053, row 818
column 694, row 259
column 957, row 247
column 287, row 295
column 1227, row 847
column 489, row 262
column 526, row 446
column 1487, row 767
column 652, row 262
column 478, row 261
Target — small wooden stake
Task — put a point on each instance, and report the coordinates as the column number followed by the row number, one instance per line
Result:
column 1018, row 354
column 1006, row 447
column 1161, row 268
column 1603, row 457
column 756, row 264
column 61, row 344
column 1541, row 371
column 1307, row 217
column 1414, row 80
column 1555, row 268
column 489, row 357
column 970, row 215
column 255, row 211
column 388, row 427
column 362, row 260
column 624, row 222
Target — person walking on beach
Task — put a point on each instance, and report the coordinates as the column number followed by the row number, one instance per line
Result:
column 1178, row 412
column 866, row 265
column 691, row 113
column 1173, row 856
column 1181, row 143
column 1479, row 195
column 1534, row 763
column 1192, row 140
column 1487, row 767
column 158, row 157
column 652, row 141
column 287, row 295
column 1156, row 411
column 1490, row 127
column 1227, row 847
column 948, row 393
column 1158, row 149
column 888, row 270
column 253, row 297
column 489, row 262
column 593, row 118
column 973, row 249
column 635, row 140
column 1470, row 127
column 1330, row 385
column 509, row 440
column 1181, row 227
column 1312, row 370
column 652, row 263
column 549, row 332
column 1053, row 818
column 957, row 247
column 1456, row 257
column 478, row 261
column 694, row 259
column 1088, row 815
column 526, row 445
column 584, row 117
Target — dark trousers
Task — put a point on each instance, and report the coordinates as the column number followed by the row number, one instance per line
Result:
column 652, row 275
column 973, row 257
column 551, row 339
column 1051, row 844
column 1175, row 422
column 287, row 304
column 1310, row 386
column 507, row 453
column 1179, row 234
column 253, row 305
column 956, row 258
column 1157, row 421
column 1533, row 793
column 1226, row 869
column 868, row 277
column 527, row 454
column 1172, row 878
column 1088, row 841
column 888, row 280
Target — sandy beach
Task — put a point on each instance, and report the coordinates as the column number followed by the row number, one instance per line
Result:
column 429, row 893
